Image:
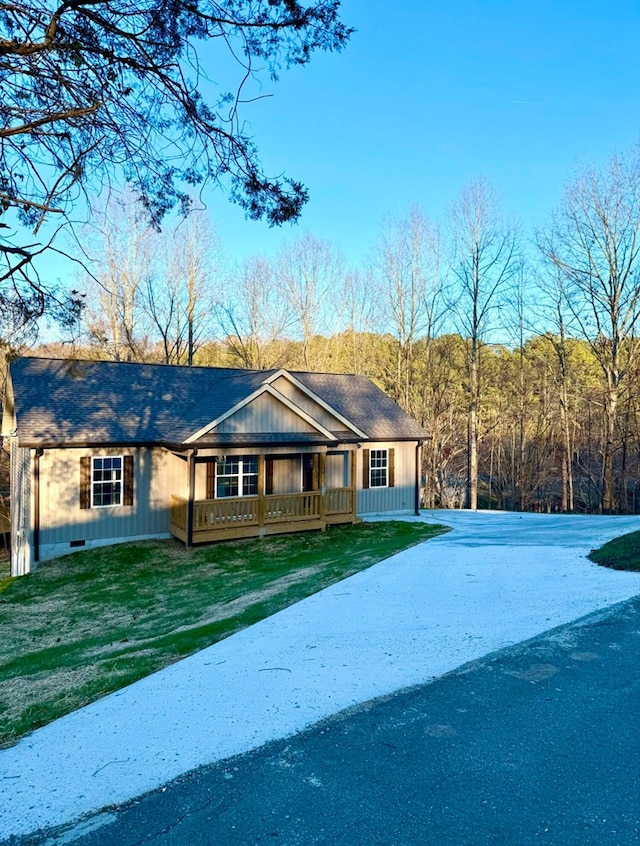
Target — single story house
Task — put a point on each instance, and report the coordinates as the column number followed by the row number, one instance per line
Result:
column 103, row 452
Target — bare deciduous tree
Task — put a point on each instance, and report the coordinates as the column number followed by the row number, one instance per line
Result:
column 183, row 288
column 254, row 317
column 310, row 273
column 594, row 242
column 553, row 307
column 410, row 294
column 121, row 249
column 354, row 346
column 485, row 257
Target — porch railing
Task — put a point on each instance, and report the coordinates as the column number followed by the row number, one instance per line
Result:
column 290, row 508
column 209, row 513
column 179, row 512
column 339, row 501
column 212, row 514
column 216, row 513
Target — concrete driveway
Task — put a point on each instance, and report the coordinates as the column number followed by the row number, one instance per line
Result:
column 497, row 579
column 536, row 744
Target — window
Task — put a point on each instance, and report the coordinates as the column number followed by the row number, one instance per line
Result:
column 236, row 476
column 378, row 468
column 106, row 481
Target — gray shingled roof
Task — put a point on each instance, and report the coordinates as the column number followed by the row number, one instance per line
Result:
column 361, row 402
column 59, row 401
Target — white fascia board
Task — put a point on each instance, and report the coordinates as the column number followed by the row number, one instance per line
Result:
column 315, row 398
column 263, row 389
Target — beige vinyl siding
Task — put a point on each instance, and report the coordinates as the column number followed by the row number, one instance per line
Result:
column 307, row 404
column 156, row 473
column 287, row 475
column 264, row 414
column 175, row 475
column 201, row 481
column 287, row 470
column 337, row 470
column 21, row 510
column 401, row 497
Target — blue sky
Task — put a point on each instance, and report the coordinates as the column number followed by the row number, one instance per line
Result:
column 428, row 96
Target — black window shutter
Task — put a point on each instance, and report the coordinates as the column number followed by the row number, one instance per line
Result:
column 85, row 481
column 392, row 467
column 365, row 468
column 127, row 498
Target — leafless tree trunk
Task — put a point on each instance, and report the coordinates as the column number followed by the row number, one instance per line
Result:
column 485, row 258
column 594, row 241
column 183, row 288
column 410, row 295
column 254, row 317
column 310, row 272
column 121, row 258
column 357, row 313
column 553, row 309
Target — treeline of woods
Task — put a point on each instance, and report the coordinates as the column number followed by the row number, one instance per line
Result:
column 519, row 355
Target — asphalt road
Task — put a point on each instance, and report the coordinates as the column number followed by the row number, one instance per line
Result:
column 537, row 744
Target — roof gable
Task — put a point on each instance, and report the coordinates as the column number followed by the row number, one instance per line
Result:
column 265, row 411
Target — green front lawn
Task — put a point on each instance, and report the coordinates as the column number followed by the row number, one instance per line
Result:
column 90, row 623
column 621, row 553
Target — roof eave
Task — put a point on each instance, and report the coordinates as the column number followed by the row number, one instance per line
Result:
column 182, row 446
column 85, row 444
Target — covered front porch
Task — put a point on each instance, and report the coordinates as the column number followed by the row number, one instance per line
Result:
column 254, row 495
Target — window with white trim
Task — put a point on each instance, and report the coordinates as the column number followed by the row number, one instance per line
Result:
column 106, row 481
column 236, row 476
column 379, row 468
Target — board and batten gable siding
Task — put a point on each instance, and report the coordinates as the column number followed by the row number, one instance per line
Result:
column 21, row 510
column 307, row 404
column 156, row 475
column 264, row 414
column 400, row 497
